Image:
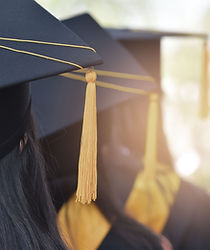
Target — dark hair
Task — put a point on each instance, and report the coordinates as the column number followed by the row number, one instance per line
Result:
column 28, row 219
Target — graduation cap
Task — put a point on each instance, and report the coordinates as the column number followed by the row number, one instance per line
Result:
column 33, row 45
column 145, row 45
column 156, row 194
column 119, row 78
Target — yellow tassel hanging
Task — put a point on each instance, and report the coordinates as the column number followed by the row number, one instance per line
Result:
column 204, row 83
column 151, row 137
column 149, row 203
column 87, row 175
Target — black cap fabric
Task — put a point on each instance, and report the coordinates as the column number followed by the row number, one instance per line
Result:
column 66, row 110
column 25, row 19
column 28, row 34
column 130, row 34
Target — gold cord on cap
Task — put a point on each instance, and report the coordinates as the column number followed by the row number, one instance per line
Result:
column 40, row 56
column 108, row 85
column 46, row 43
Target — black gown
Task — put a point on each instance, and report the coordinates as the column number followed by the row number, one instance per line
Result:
column 188, row 225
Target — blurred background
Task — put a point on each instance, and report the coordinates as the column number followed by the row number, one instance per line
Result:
column 188, row 135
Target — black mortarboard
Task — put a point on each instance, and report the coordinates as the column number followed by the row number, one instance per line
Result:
column 56, row 116
column 33, row 45
column 145, row 46
column 115, row 59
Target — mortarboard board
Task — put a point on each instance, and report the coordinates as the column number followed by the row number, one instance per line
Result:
column 115, row 59
column 33, row 45
column 145, row 44
column 27, row 20
column 66, row 112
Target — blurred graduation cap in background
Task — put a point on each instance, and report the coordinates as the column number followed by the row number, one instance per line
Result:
column 191, row 205
column 118, row 68
column 164, row 211
column 120, row 78
column 34, row 45
column 145, row 46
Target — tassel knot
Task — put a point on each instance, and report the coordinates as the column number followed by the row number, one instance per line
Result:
column 91, row 76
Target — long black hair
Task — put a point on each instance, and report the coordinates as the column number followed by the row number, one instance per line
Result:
column 27, row 214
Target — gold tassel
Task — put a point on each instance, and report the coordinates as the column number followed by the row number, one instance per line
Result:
column 204, row 83
column 87, row 176
column 151, row 138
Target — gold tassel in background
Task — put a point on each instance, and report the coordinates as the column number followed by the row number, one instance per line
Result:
column 149, row 202
column 204, row 105
column 151, row 137
column 87, row 175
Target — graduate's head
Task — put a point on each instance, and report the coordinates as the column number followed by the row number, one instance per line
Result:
column 26, row 210
column 33, row 45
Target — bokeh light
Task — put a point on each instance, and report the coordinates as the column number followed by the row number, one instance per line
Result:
column 188, row 163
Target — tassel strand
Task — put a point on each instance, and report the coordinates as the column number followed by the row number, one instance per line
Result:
column 87, row 176
column 151, row 138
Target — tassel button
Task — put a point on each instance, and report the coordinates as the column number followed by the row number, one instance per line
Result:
column 91, row 76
